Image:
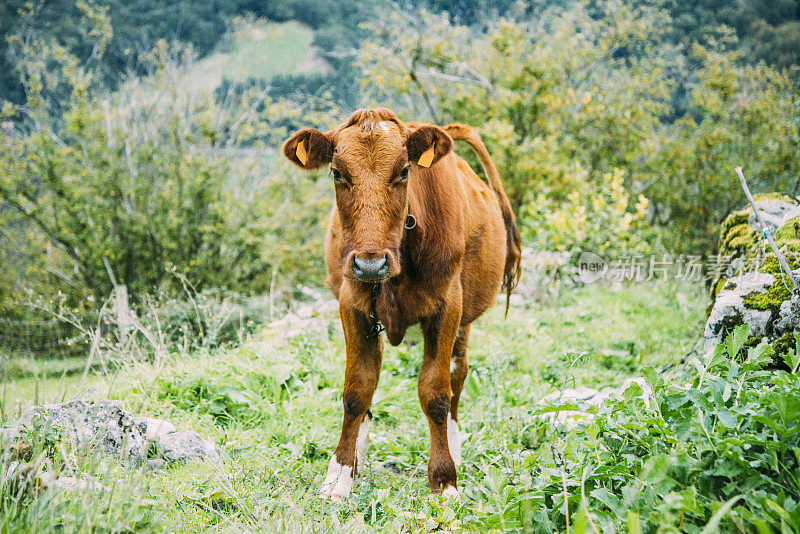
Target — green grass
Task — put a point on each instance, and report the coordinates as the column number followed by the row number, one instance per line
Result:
column 27, row 377
column 274, row 408
column 256, row 50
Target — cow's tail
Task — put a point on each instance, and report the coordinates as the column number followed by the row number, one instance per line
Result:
column 511, row 274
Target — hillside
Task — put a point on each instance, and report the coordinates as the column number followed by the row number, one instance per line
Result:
column 256, row 49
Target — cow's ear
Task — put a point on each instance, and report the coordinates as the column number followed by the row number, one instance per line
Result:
column 427, row 145
column 309, row 149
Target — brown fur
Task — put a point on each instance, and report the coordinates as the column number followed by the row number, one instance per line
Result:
column 444, row 273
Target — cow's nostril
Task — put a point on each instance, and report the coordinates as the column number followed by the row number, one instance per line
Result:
column 370, row 269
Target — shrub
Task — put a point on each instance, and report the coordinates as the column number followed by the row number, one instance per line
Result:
column 596, row 220
column 719, row 453
column 594, row 87
column 125, row 188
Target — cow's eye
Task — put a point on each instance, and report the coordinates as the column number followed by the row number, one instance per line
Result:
column 337, row 176
column 403, row 174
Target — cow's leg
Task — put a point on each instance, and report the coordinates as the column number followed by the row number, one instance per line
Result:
column 458, row 373
column 360, row 380
column 434, row 392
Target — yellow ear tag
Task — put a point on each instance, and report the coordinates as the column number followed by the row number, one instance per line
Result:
column 426, row 158
column 301, row 153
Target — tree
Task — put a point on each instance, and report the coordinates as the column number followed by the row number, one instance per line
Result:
column 123, row 188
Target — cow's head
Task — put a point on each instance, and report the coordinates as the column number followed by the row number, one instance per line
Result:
column 371, row 157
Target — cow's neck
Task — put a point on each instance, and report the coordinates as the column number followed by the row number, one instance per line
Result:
column 430, row 257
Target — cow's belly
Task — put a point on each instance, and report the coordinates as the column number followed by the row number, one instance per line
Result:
column 482, row 271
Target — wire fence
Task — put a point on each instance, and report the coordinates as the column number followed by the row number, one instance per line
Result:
column 45, row 338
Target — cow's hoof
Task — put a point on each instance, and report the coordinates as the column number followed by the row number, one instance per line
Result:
column 338, row 481
column 454, row 440
column 450, row 492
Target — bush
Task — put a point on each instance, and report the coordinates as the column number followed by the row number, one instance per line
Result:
column 595, row 87
column 719, row 453
column 126, row 188
column 597, row 220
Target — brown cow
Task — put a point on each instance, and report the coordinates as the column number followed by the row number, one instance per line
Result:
column 415, row 237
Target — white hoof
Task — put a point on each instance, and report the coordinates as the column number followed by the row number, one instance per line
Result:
column 362, row 443
column 454, row 440
column 450, row 492
column 338, row 481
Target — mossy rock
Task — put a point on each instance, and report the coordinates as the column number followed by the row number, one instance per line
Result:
column 737, row 236
column 739, row 240
column 787, row 238
column 784, row 344
column 788, row 235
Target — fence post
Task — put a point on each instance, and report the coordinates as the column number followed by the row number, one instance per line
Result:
column 767, row 231
column 122, row 313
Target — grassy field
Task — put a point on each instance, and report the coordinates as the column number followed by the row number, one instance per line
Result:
column 30, row 379
column 273, row 406
column 257, row 49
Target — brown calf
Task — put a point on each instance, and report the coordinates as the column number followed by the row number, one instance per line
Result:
column 415, row 237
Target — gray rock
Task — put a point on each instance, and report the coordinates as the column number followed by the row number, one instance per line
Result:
column 584, row 396
column 27, row 477
column 189, row 445
column 788, row 316
column 305, row 318
column 729, row 308
column 49, row 481
column 156, row 465
column 773, row 212
column 155, row 427
column 103, row 426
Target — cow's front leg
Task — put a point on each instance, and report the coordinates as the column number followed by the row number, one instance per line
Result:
column 434, row 391
column 360, row 380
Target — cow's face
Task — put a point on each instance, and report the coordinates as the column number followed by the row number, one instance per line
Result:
column 371, row 158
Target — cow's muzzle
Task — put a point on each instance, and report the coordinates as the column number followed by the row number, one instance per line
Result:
column 369, row 269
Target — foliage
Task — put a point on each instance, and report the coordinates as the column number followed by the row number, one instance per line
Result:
column 551, row 98
column 122, row 506
column 128, row 187
column 737, row 116
column 140, row 23
column 767, row 30
column 596, row 220
column 138, row 185
column 720, row 450
column 273, row 407
column 553, row 101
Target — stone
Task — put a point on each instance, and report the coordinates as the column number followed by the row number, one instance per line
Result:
column 29, row 478
column 584, row 396
column 50, row 481
column 304, row 319
column 729, row 309
column 155, row 427
column 789, row 316
column 774, row 212
column 103, row 426
column 188, row 445
column 762, row 299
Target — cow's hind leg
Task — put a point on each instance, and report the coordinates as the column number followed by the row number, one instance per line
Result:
column 434, row 393
column 458, row 373
column 360, row 380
